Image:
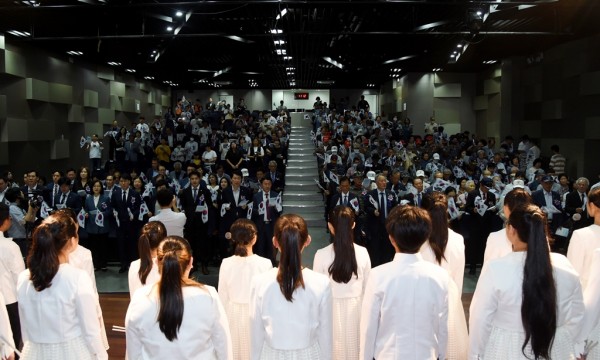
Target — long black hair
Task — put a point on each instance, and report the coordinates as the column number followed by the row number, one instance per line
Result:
column 152, row 234
column 436, row 205
column 538, row 309
column 291, row 234
column 49, row 239
column 344, row 262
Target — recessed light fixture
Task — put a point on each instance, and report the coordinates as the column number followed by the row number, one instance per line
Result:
column 130, row 70
column 280, row 51
column 333, row 62
column 281, row 14
column 437, row 69
column 75, row 53
column 114, row 63
column 459, row 45
column 169, row 28
column 279, row 42
column 287, row 58
column 19, row 33
column 489, row 62
column 452, row 55
column 149, row 77
column 479, row 13
column 179, row 13
column 276, row 31
column 290, row 68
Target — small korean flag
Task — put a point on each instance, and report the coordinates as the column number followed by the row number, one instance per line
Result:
column 116, row 215
column 249, row 214
column 205, row 215
column 99, row 220
column 44, row 210
column 82, row 142
column 81, row 218
column 143, row 211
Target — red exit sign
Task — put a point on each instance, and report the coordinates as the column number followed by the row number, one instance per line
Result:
column 301, row 96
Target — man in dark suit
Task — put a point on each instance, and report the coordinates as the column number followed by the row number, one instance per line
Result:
column 415, row 196
column 575, row 203
column 53, row 188
column 67, row 198
column 264, row 214
column 378, row 204
column 481, row 225
column 276, row 177
column 344, row 196
column 126, row 202
column 195, row 200
column 233, row 205
column 545, row 198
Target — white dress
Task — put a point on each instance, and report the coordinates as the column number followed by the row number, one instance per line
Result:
column 590, row 328
column 405, row 299
column 496, row 328
column 347, row 300
column 582, row 245
column 204, row 333
column 298, row 330
column 7, row 344
column 60, row 322
column 454, row 263
column 134, row 280
column 235, row 277
column 497, row 246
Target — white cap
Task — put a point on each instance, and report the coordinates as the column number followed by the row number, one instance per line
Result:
column 245, row 172
column 334, row 149
column 518, row 183
column 436, row 156
column 420, row 173
column 371, row 175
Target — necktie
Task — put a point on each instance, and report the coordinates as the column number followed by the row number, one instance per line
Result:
column 195, row 194
column 382, row 204
column 54, row 193
column 582, row 196
column 62, row 198
column 345, row 200
column 419, row 199
column 268, row 209
column 124, row 196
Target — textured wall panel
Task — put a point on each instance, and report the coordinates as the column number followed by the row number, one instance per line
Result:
column 106, row 116
column 592, row 127
column 151, row 98
column 532, row 93
column 117, row 88
column 93, row 128
column 2, row 42
column 14, row 130
column 106, row 74
column 131, row 105
column 531, row 128
column 3, row 153
column 447, row 91
column 447, row 78
column 2, row 107
column 14, row 63
column 60, row 93
column 491, row 86
column 165, row 100
column 40, row 130
column 36, row 89
column 497, row 73
column 115, row 103
column 157, row 110
column 446, row 116
column 143, row 86
column 75, row 114
column 590, row 83
column 59, row 149
column 532, row 76
column 480, row 102
column 552, row 109
column 90, row 98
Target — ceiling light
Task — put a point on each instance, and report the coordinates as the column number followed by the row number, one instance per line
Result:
column 114, row 63
column 19, row 33
column 130, row 70
column 179, row 13
column 287, row 58
column 399, row 59
column 281, row 14
column 452, row 55
column 149, row 77
column 333, row 62
column 276, row 31
column 279, row 42
column 437, row 69
column 240, row 39
column 73, row 52
column 479, row 13
column 31, row 3
column 280, row 51
column 459, row 45
column 169, row 28
column 325, row 82
column 290, row 68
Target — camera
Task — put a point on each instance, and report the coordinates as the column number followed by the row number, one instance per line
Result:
column 36, row 201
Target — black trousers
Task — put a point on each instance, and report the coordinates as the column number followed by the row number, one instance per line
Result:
column 15, row 324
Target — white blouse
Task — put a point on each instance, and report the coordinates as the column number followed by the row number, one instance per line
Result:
column 356, row 286
column 236, row 274
column 591, row 298
column 499, row 294
column 204, row 332
column 134, row 280
column 62, row 312
column 497, row 246
column 284, row 325
column 454, row 254
column 5, row 331
column 581, row 248
column 11, row 265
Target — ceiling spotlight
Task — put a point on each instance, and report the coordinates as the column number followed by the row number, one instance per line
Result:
column 280, row 51
column 333, row 62
column 479, row 13
column 276, row 31
column 169, row 28
column 19, row 33
column 287, row 58
column 459, row 45
column 114, row 63
column 279, row 42
column 75, row 53
column 452, row 55
column 179, row 13
column 290, row 68
column 130, row 70
column 281, row 14
column 149, row 77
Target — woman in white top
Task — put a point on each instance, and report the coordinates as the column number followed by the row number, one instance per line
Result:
column 447, row 249
column 290, row 307
column 176, row 318
column 585, row 240
column 7, row 344
column 145, row 270
column 57, row 301
column 348, row 266
column 235, row 277
column 527, row 304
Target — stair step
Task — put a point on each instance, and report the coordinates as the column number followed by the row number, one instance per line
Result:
column 301, row 167
column 302, row 160
column 303, row 203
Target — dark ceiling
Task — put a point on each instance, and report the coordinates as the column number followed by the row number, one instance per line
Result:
column 332, row 44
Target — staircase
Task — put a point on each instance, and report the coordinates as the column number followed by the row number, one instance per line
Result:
column 301, row 194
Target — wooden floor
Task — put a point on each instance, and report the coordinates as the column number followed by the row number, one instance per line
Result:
column 114, row 307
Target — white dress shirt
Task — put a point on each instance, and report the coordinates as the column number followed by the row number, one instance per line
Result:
column 134, row 280
column 498, row 297
column 291, row 326
column 64, row 311
column 581, row 248
column 454, row 255
column 11, row 265
column 204, row 331
column 497, row 246
column 405, row 299
column 173, row 221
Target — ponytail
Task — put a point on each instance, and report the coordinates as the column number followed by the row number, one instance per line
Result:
column 344, row 262
column 242, row 233
column 48, row 240
column 538, row 308
column 174, row 255
column 436, row 204
column 152, row 234
column 291, row 233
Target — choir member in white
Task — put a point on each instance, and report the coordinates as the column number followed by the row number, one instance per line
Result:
column 290, row 307
column 527, row 304
column 497, row 244
column 585, row 240
column 176, row 318
column 7, row 344
column 61, row 297
column 405, row 305
column 144, row 270
column 447, row 249
column 348, row 266
column 235, row 277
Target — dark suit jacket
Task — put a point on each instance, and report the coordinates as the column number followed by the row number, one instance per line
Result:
column 572, row 202
column 104, row 207
column 373, row 220
column 235, row 212
column 257, row 199
column 470, row 206
column 278, row 183
column 539, row 199
column 133, row 203
column 336, row 200
column 73, row 201
column 188, row 204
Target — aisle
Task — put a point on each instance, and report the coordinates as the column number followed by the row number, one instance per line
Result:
column 301, row 194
